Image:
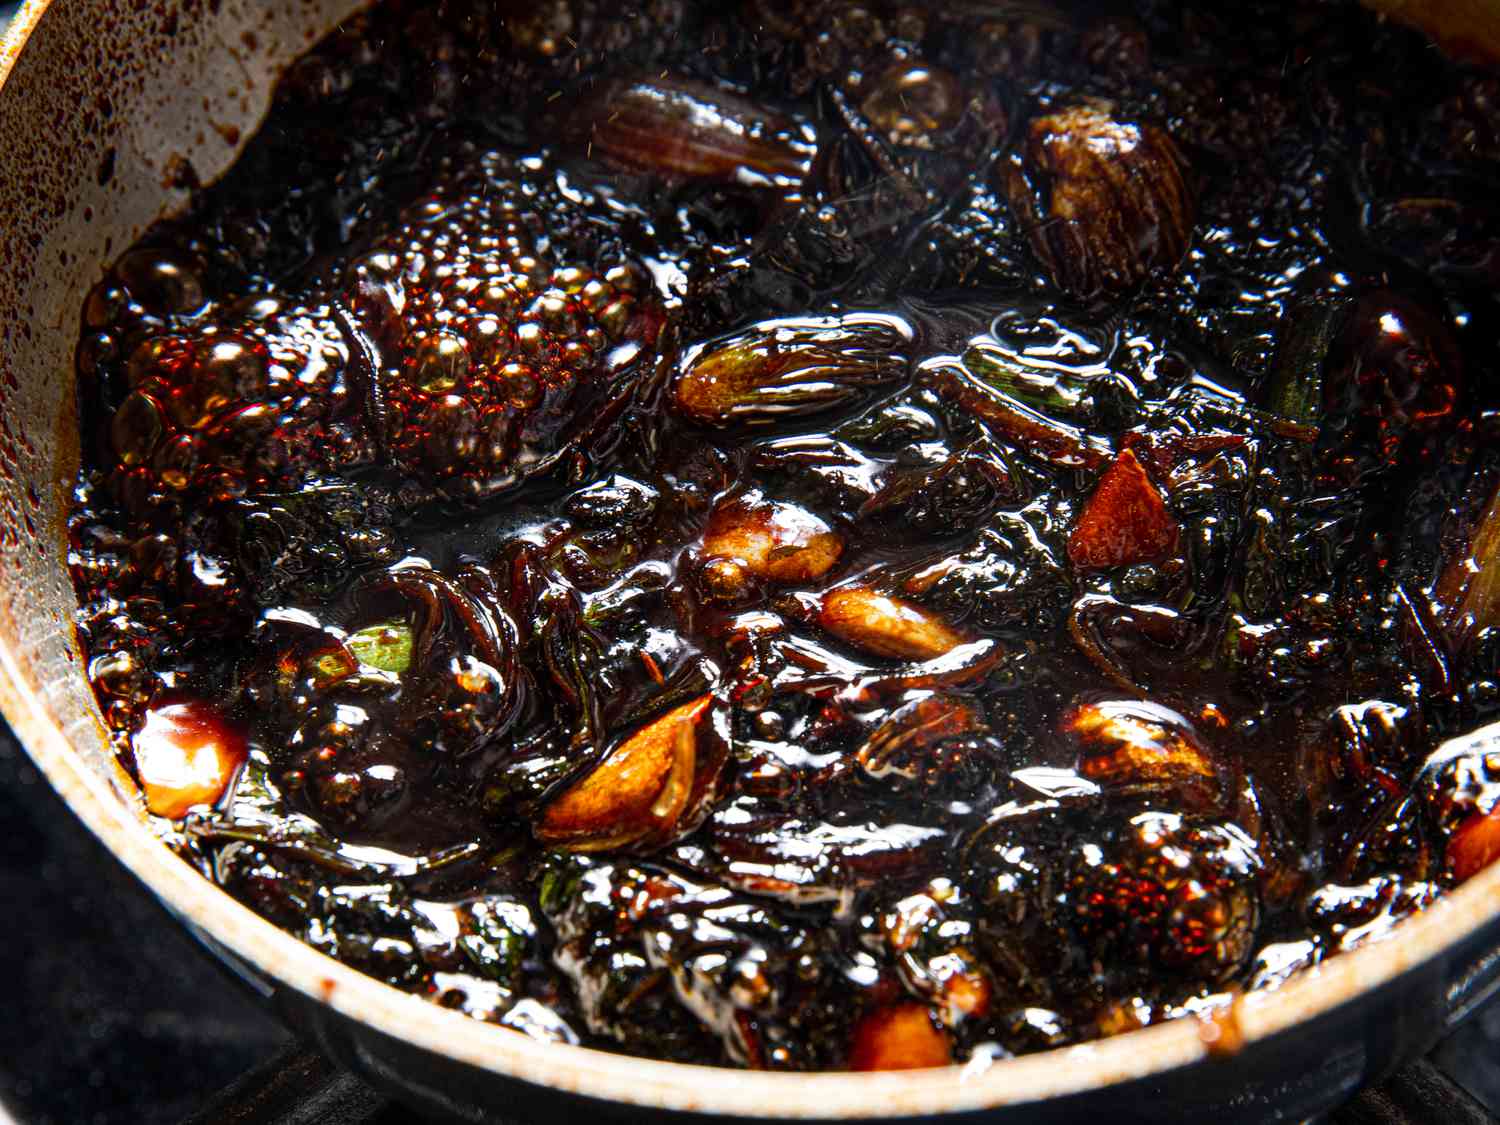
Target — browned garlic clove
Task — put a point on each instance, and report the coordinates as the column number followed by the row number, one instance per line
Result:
column 652, row 787
column 773, row 540
column 186, row 755
column 886, row 626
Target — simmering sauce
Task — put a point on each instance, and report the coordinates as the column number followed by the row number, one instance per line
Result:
column 817, row 535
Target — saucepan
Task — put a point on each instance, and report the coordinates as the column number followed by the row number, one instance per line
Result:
column 109, row 111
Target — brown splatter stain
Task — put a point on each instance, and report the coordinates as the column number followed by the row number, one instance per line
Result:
column 178, row 174
column 1220, row 1032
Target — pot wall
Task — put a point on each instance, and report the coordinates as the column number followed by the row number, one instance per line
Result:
column 108, row 113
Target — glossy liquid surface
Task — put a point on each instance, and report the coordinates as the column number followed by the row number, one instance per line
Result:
column 817, row 535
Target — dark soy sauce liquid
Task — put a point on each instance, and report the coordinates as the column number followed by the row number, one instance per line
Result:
column 816, row 535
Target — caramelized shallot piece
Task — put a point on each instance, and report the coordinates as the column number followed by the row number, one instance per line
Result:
column 1130, row 746
column 652, row 787
column 774, row 541
column 886, row 626
column 1125, row 522
column 1105, row 202
column 899, row 1037
column 689, row 130
column 186, row 754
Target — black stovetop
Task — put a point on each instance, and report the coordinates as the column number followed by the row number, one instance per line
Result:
column 118, row 1018
column 115, row 1013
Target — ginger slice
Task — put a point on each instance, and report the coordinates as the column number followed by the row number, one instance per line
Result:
column 1126, row 520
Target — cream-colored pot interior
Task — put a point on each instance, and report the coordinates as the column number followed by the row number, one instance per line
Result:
column 104, row 105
